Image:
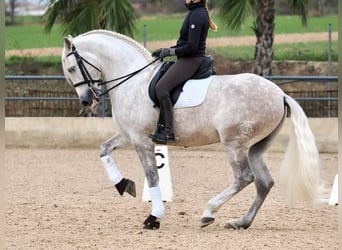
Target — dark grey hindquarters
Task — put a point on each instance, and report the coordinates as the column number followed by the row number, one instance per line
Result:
column 262, row 178
column 262, row 145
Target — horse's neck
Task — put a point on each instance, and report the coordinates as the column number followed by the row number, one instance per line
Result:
column 116, row 55
column 118, row 58
column 122, row 60
column 130, row 95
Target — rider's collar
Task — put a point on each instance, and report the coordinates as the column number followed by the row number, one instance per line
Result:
column 191, row 6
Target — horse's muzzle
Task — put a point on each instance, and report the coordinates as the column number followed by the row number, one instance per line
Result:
column 86, row 98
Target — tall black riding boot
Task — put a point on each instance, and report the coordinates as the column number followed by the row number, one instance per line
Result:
column 164, row 133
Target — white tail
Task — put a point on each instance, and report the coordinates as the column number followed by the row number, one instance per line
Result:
column 299, row 172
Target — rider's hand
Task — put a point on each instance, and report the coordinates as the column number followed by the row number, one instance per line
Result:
column 156, row 53
column 164, row 52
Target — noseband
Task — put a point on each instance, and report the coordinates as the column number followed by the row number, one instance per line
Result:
column 87, row 79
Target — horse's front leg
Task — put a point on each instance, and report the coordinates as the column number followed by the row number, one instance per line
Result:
column 122, row 184
column 146, row 154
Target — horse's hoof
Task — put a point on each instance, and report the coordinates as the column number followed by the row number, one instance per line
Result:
column 151, row 223
column 206, row 221
column 235, row 224
column 130, row 188
column 231, row 225
column 126, row 185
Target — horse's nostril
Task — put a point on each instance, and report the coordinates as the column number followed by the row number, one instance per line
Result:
column 85, row 103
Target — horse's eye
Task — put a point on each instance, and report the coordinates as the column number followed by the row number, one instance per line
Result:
column 71, row 69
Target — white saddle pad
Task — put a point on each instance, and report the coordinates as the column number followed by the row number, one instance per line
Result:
column 194, row 93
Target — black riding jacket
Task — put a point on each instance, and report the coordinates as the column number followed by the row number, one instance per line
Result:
column 193, row 33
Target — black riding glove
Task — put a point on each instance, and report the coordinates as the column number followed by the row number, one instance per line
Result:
column 164, row 52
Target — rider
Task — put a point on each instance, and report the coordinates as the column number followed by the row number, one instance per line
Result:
column 190, row 52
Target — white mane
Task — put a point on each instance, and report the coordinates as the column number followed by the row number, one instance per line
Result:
column 124, row 38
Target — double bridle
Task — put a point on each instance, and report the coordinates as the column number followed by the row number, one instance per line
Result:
column 87, row 79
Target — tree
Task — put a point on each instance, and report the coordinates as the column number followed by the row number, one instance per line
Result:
column 79, row 16
column 235, row 12
column 10, row 10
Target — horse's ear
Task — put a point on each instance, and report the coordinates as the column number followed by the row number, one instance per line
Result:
column 68, row 42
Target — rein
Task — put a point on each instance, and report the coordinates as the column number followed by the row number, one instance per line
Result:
column 90, row 82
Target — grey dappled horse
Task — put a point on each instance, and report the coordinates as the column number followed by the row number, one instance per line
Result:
column 244, row 112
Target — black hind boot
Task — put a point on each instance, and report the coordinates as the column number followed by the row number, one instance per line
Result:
column 164, row 133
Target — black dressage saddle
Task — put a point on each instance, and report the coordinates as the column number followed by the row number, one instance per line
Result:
column 204, row 71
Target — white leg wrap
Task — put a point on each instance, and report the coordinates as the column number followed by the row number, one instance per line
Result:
column 111, row 169
column 158, row 209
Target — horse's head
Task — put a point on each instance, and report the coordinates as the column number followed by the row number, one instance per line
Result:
column 80, row 72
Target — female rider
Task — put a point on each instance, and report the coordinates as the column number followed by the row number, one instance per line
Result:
column 190, row 52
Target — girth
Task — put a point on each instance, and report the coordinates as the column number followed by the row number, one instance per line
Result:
column 205, row 70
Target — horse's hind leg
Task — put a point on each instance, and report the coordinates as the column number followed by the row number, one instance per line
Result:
column 122, row 184
column 242, row 177
column 263, row 182
column 262, row 178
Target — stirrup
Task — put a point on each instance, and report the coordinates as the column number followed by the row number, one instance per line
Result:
column 163, row 140
column 161, row 136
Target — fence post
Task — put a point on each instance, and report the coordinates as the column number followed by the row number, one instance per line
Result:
column 329, row 68
column 329, row 50
column 103, row 102
column 145, row 35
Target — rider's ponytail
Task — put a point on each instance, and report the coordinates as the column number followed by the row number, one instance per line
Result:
column 212, row 25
